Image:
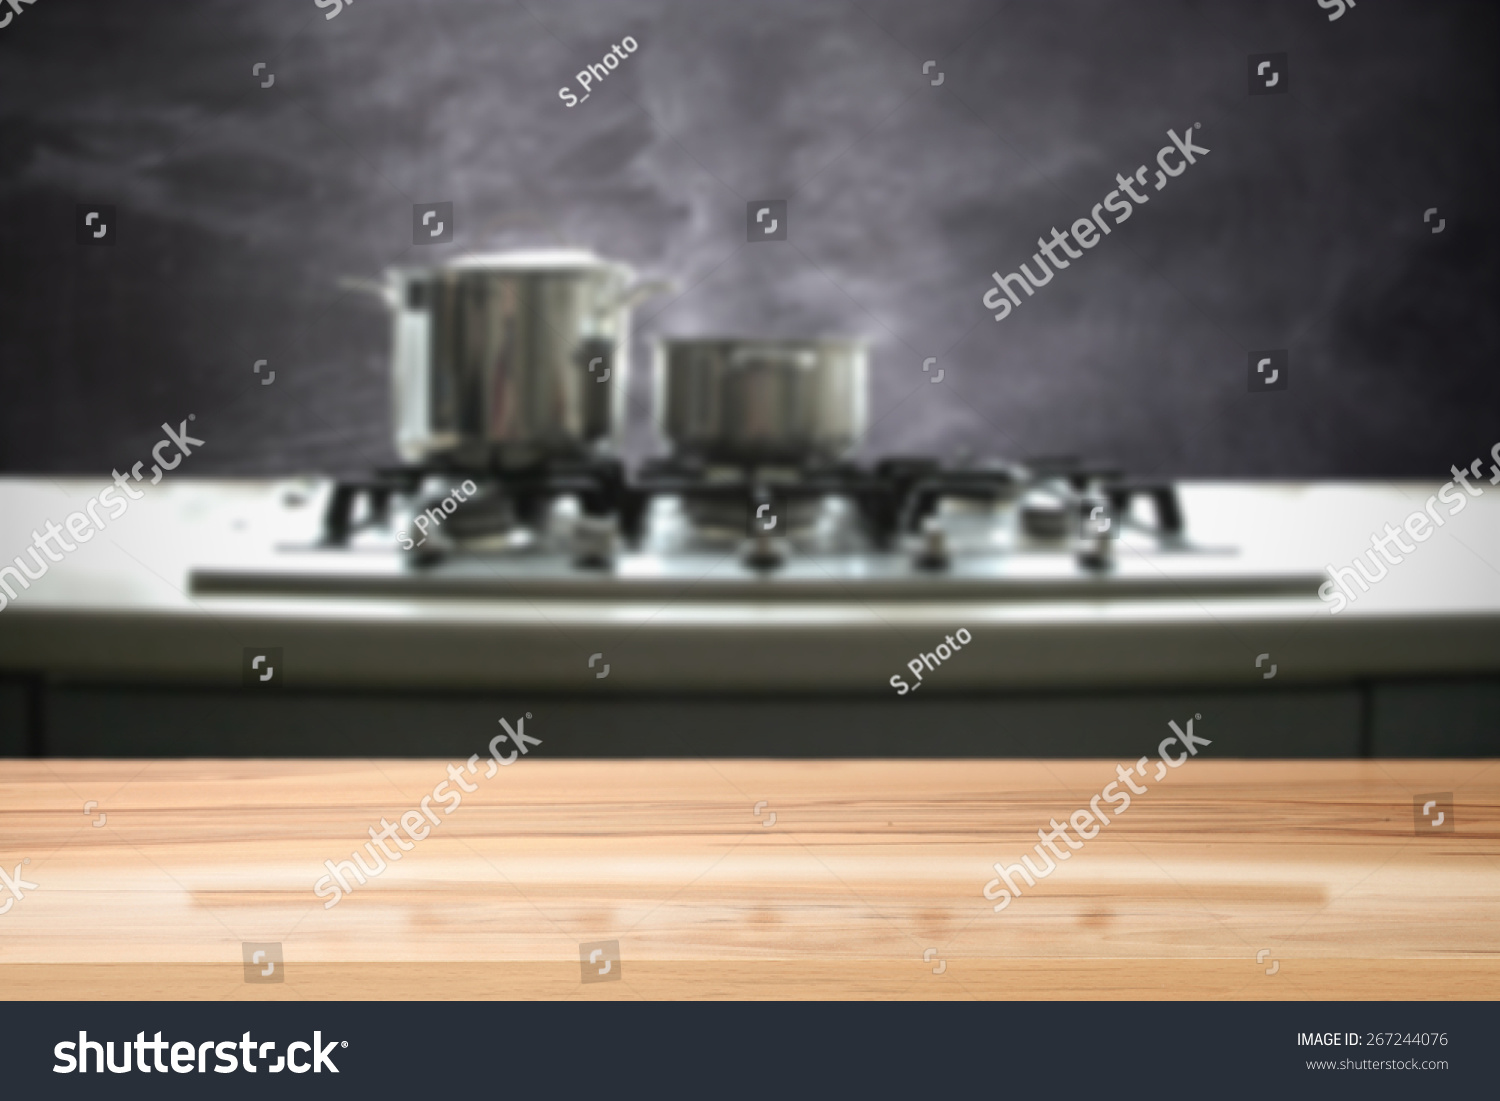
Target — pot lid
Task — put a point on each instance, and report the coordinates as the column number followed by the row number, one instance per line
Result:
column 530, row 260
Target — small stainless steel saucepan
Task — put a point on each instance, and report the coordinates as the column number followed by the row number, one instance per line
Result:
column 760, row 401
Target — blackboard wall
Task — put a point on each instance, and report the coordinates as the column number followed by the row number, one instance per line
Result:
column 240, row 206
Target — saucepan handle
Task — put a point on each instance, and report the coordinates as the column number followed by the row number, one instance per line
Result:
column 634, row 296
column 383, row 291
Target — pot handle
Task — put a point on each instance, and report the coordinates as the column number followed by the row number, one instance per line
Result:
column 633, row 296
column 382, row 291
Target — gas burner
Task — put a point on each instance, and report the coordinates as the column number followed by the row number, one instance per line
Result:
column 904, row 529
column 487, row 511
column 434, row 512
column 936, row 516
column 828, row 523
column 816, row 509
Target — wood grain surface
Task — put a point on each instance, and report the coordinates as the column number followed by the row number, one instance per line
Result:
column 868, row 866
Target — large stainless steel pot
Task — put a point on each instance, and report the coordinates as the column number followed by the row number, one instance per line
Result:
column 760, row 400
column 510, row 357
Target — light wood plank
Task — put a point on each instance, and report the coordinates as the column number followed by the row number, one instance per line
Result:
column 868, row 864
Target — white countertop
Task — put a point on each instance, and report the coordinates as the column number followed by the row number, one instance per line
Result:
column 119, row 608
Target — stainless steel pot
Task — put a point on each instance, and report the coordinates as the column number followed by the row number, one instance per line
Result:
column 511, row 357
column 760, row 400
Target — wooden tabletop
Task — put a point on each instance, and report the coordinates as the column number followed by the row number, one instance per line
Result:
column 1224, row 879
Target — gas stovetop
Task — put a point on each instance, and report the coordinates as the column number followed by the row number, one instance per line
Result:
column 905, row 528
